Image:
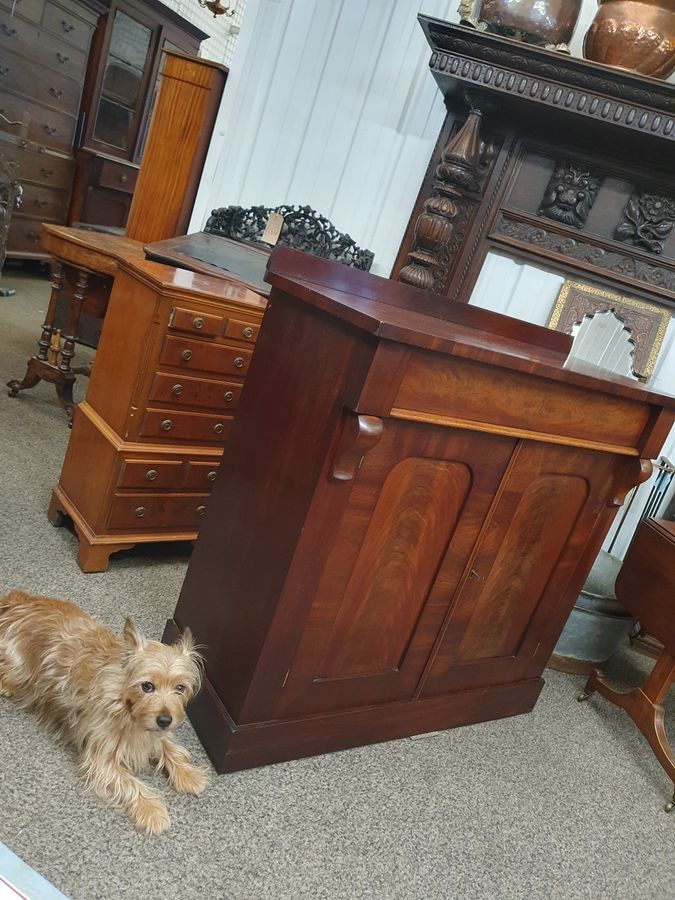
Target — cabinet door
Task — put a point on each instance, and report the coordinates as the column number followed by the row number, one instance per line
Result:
column 389, row 566
column 525, row 572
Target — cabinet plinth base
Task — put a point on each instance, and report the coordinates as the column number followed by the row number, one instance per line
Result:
column 233, row 747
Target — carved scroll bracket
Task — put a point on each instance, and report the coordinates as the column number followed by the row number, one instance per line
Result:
column 633, row 473
column 441, row 228
column 359, row 435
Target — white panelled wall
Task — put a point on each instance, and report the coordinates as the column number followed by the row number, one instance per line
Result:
column 330, row 103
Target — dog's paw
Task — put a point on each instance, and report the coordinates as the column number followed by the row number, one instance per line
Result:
column 5, row 688
column 150, row 814
column 187, row 779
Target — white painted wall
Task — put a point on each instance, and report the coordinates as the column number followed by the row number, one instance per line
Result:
column 221, row 42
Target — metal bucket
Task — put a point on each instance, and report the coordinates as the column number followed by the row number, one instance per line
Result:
column 597, row 624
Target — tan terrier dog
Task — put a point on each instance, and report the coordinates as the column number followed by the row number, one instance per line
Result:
column 116, row 699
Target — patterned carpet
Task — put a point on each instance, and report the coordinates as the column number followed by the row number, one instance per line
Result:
column 563, row 804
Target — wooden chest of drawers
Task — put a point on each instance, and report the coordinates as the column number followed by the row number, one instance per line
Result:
column 146, row 444
column 44, row 46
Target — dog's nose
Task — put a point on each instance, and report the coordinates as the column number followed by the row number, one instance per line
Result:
column 164, row 721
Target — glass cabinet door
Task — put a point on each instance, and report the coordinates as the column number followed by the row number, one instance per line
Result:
column 121, row 91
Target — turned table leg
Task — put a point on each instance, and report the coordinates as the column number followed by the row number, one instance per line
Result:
column 644, row 706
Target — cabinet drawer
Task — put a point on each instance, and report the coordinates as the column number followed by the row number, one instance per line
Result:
column 185, row 391
column 200, row 475
column 65, row 25
column 242, row 331
column 24, row 237
column 146, row 512
column 45, row 126
column 118, row 176
column 47, row 169
column 195, row 322
column 58, row 91
column 40, row 47
column 200, row 356
column 44, row 202
column 29, row 9
column 185, row 426
column 159, row 475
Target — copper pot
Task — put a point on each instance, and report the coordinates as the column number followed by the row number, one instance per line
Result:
column 638, row 35
column 544, row 21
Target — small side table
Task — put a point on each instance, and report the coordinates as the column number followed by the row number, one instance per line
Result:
column 646, row 587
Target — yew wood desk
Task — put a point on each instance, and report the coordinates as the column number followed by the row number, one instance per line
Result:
column 412, row 495
column 84, row 264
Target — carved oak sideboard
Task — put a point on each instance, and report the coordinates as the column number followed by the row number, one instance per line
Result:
column 557, row 161
column 397, row 549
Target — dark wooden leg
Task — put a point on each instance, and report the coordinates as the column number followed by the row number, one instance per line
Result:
column 79, row 295
column 55, row 513
column 30, row 379
column 644, row 706
column 58, row 278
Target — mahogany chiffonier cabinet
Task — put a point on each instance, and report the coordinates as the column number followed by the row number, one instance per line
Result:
column 44, row 46
column 410, row 499
column 146, row 442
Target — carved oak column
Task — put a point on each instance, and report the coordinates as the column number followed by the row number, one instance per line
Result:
column 442, row 227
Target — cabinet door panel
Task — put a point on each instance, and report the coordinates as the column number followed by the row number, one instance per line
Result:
column 521, row 575
column 402, row 541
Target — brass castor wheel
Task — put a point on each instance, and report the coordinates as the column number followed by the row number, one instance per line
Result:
column 583, row 696
column 669, row 807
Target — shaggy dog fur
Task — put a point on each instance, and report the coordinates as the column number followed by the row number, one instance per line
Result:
column 116, row 699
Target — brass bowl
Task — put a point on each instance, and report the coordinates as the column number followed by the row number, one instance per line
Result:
column 638, row 36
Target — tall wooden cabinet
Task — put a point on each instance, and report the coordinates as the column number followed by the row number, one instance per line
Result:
column 411, row 497
column 118, row 103
column 44, row 47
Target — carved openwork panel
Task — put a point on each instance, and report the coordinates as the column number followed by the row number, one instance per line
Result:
column 303, row 229
column 570, row 193
column 645, row 322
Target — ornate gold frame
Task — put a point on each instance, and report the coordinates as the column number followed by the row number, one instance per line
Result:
column 646, row 322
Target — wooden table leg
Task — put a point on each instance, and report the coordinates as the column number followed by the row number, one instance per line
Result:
column 644, row 706
column 62, row 376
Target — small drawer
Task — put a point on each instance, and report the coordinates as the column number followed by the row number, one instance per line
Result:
column 47, row 169
column 24, row 237
column 67, row 26
column 43, row 202
column 148, row 512
column 29, row 9
column 242, row 331
column 45, row 126
column 195, row 322
column 185, row 426
column 201, row 475
column 118, row 176
column 149, row 473
column 200, row 356
column 182, row 390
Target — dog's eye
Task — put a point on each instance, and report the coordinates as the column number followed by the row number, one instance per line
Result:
column 180, row 688
column 147, row 687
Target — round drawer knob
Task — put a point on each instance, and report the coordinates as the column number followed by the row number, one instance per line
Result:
column 186, row 354
column 218, row 428
column 238, row 362
column 177, row 389
column 200, row 511
column 198, row 322
column 228, row 396
column 151, row 474
column 166, row 425
column 248, row 332
column 139, row 512
column 211, row 476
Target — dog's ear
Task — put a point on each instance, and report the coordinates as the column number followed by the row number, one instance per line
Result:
column 186, row 644
column 132, row 635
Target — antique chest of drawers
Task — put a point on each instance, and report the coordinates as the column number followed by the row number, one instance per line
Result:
column 146, row 443
column 44, row 46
